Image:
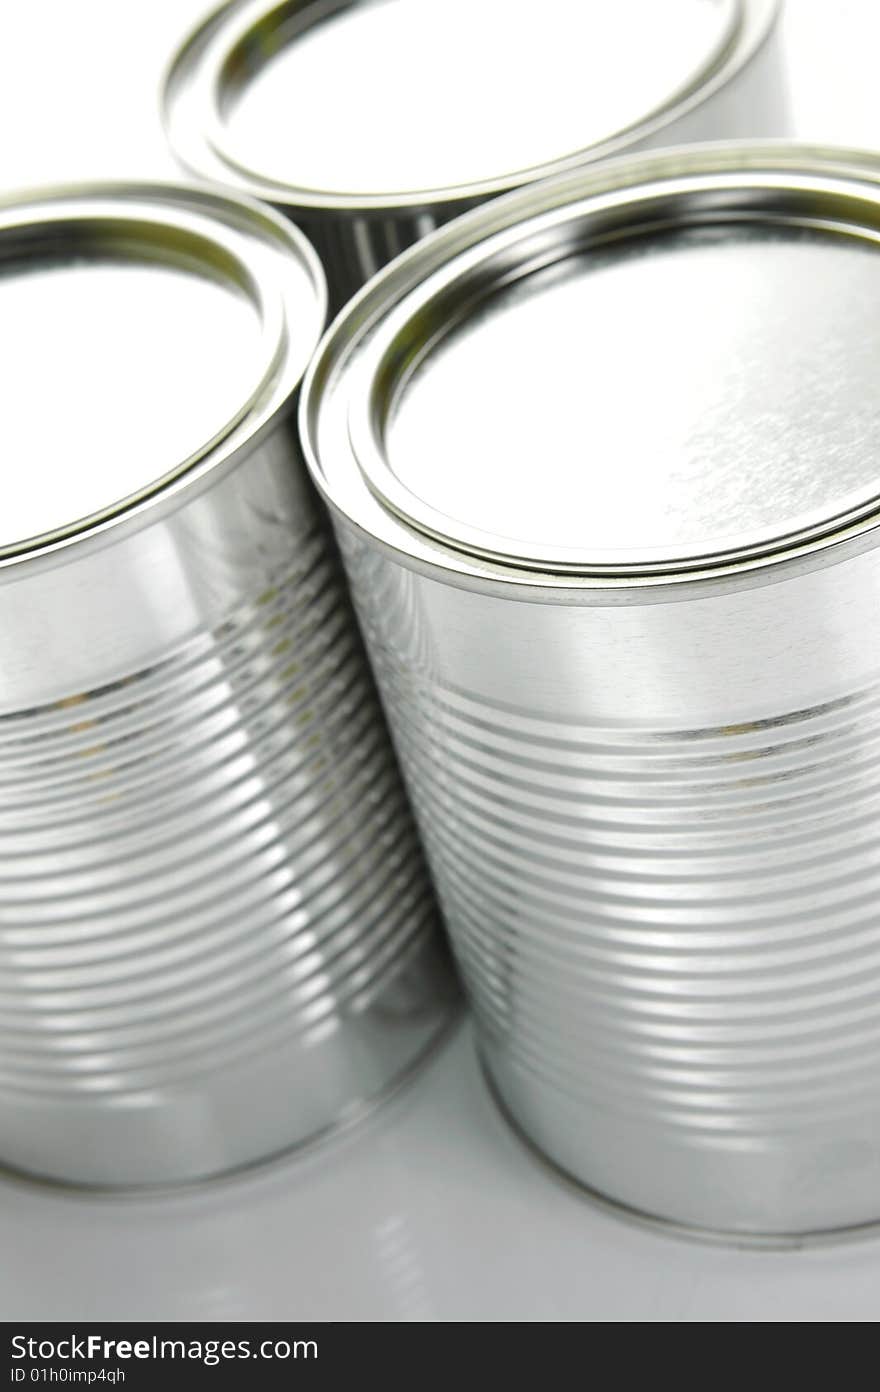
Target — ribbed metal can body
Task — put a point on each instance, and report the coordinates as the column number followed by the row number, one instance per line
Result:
column 646, row 779
column 661, row 887
column 736, row 90
column 217, row 935
column 217, row 938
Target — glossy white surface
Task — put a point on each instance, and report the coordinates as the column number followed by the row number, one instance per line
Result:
column 432, row 1210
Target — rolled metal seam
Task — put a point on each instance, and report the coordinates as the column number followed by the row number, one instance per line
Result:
column 646, row 775
column 528, row 98
column 217, row 937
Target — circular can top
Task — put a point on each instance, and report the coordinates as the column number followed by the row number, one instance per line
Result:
column 438, row 100
column 146, row 334
column 658, row 370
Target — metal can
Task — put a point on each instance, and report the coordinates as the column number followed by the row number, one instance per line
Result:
column 217, row 938
column 370, row 123
column 604, row 458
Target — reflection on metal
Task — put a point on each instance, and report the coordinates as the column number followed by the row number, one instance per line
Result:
column 322, row 108
column 646, row 776
column 217, row 936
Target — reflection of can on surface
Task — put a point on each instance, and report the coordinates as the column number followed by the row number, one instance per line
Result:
column 216, row 937
column 605, row 463
column 371, row 123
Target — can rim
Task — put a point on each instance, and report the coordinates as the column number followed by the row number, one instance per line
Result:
column 356, row 484
column 408, row 332
column 191, row 91
column 238, row 241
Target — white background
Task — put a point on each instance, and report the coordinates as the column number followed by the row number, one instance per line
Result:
column 432, row 1210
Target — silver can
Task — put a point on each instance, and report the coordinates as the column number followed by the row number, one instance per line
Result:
column 371, row 122
column 217, row 938
column 604, row 457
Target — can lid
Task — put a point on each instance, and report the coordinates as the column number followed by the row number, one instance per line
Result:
column 664, row 377
column 433, row 99
column 144, row 332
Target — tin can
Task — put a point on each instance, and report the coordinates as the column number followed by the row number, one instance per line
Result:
column 604, row 458
column 217, row 938
column 370, row 124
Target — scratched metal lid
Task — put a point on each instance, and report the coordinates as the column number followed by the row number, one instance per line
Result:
column 146, row 334
column 398, row 102
column 665, row 367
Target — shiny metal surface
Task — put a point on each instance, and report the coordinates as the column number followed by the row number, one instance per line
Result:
column 241, row 99
column 607, row 67
column 90, row 308
column 217, row 938
column 772, row 325
column 648, row 798
column 87, row 295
